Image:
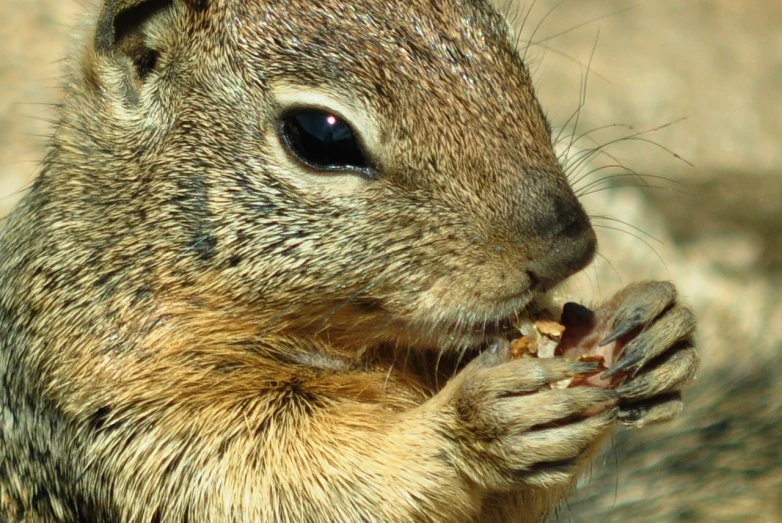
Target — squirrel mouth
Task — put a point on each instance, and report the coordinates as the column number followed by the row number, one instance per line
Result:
column 503, row 326
column 512, row 313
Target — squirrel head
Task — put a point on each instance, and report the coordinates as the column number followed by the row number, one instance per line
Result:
column 377, row 170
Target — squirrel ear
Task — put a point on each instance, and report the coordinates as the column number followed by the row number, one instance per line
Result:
column 123, row 25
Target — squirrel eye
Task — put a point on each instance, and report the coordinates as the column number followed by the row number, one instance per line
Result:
column 322, row 140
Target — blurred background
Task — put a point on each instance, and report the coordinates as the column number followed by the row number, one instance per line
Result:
column 669, row 120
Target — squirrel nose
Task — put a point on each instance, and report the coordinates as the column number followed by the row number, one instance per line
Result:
column 567, row 244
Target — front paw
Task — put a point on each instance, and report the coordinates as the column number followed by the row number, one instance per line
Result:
column 649, row 339
column 512, row 429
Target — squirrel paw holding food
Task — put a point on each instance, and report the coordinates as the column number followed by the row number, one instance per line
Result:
column 646, row 338
column 530, row 422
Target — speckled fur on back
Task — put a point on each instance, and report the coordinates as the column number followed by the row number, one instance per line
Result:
column 194, row 326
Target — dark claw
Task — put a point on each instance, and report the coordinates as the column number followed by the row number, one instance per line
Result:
column 653, row 410
column 626, row 326
column 632, row 413
column 629, row 387
column 631, row 359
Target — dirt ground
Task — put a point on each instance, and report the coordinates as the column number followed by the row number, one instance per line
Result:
column 696, row 85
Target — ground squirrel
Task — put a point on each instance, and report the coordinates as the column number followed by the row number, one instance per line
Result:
column 262, row 272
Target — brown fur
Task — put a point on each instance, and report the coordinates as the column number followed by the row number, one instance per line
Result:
column 194, row 326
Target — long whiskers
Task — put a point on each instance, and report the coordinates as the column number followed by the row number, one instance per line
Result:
column 639, row 238
column 612, row 219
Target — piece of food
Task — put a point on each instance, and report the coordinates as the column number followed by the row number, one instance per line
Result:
column 544, row 336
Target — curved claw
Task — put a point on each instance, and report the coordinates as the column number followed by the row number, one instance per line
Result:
column 629, row 361
column 639, row 304
column 676, row 325
column 670, row 373
column 655, row 410
column 625, row 328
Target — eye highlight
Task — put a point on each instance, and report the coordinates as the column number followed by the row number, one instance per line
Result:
column 322, row 140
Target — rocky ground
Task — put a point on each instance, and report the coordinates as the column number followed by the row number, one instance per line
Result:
column 707, row 75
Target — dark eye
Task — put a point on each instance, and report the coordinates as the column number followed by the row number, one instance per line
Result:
column 322, row 140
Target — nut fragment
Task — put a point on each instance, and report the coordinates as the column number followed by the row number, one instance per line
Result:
column 550, row 328
column 541, row 336
column 523, row 347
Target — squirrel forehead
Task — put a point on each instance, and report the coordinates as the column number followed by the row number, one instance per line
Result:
column 420, row 20
column 448, row 60
column 427, row 43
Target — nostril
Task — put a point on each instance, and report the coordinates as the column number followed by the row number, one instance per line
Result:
column 557, row 237
column 561, row 257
